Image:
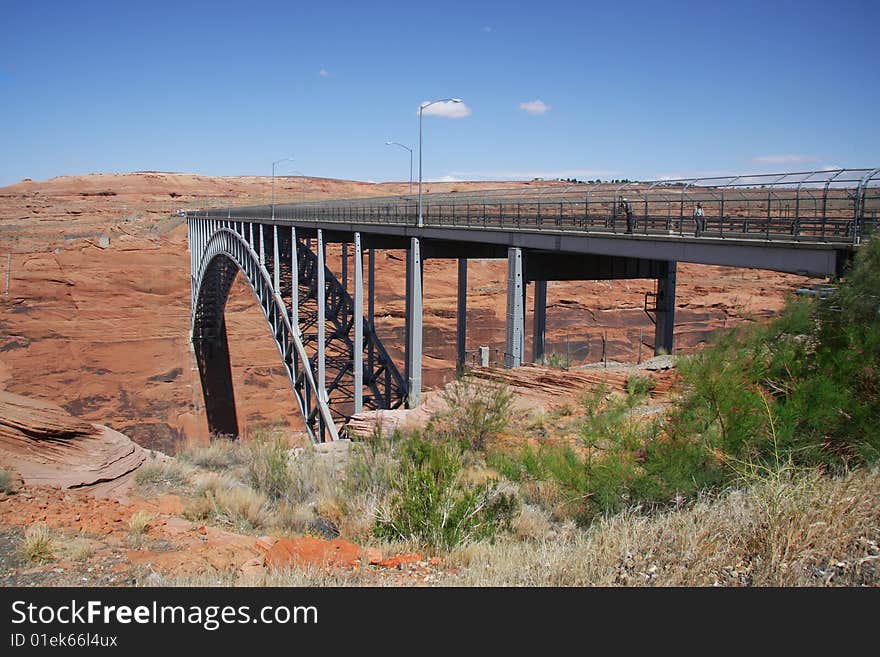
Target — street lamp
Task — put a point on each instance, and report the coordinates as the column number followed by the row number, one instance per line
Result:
column 421, row 108
column 283, row 159
column 394, row 143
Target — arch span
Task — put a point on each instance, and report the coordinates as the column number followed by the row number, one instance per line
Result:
column 224, row 253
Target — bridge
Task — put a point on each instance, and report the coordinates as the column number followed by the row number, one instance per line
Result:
column 323, row 323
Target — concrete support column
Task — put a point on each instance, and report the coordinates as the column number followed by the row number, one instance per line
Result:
column 262, row 245
column 322, row 303
column 358, row 310
column 539, row 330
column 251, row 234
column 663, row 337
column 515, row 340
column 461, row 333
column 414, row 323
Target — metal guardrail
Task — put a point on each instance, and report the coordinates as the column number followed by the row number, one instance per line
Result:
column 838, row 206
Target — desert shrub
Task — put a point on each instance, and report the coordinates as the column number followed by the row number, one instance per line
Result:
column 432, row 505
column 639, row 385
column 814, row 372
column 559, row 361
column 268, row 467
column 7, row 482
column 476, row 412
column 139, row 522
column 38, row 545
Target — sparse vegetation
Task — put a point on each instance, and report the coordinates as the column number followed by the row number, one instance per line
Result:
column 826, row 531
column 639, row 385
column 557, row 360
column 476, row 411
column 7, row 482
column 228, row 503
column 220, row 455
column 268, row 467
column 139, row 522
column 38, row 544
column 163, row 475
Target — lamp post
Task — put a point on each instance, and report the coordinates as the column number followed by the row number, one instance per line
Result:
column 283, row 159
column 394, row 143
column 421, row 108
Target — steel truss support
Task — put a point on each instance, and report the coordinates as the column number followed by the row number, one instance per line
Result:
column 328, row 384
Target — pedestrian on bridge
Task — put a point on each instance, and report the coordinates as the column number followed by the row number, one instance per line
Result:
column 699, row 220
column 627, row 208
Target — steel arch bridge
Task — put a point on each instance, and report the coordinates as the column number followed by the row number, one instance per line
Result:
column 318, row 362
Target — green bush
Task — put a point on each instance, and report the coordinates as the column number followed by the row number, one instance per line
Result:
column 639, row 385
column 813, row 373
column 431, row 503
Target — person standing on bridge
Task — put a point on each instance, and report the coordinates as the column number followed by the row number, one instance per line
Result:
column 627, row 208
column 699, row 220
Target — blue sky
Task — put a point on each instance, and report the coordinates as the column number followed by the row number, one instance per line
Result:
column 636, row 89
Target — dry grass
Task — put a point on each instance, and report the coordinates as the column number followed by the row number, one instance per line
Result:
column 219, row 455
column 139, row 522
column 223, row 501
column 79, row 550
column 164, row 475
column 298, row 577
column 38, row 545
column 804, row 531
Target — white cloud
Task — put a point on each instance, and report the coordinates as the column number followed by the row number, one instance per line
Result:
column 535, row 107
column 487, row 29
column 785, row 159
column 448, row 109
column 324, row 73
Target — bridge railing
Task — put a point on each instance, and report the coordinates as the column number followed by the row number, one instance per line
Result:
column 838, row 206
